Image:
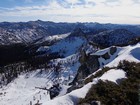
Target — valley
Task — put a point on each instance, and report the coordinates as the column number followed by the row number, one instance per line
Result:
column 48, row 63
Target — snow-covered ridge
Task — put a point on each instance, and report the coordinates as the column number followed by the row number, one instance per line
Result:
column 68, row 46
column 53, row 38
column 22, row 90
column 72, row 98
column 129, row 53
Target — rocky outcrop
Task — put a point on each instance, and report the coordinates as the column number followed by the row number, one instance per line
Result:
column 113, row 50
column 106, row 56
column 89, row 64
column 92, row 63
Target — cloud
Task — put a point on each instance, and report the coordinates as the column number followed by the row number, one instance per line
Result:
column 28, row 1
column 114, row 11
column 72, row 1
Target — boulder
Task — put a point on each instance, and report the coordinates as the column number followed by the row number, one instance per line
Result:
column 106, row 56
column 113, row 50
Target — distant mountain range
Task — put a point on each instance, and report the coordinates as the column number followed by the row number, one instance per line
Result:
column 29, row 32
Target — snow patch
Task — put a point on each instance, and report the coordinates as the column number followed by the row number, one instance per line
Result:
column 113, row 75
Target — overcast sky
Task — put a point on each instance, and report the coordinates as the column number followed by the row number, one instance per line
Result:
column 103, row 11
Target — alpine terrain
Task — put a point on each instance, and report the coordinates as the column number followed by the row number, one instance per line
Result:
column 48, row 63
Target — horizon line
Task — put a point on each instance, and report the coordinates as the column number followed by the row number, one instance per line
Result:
column 67, row 22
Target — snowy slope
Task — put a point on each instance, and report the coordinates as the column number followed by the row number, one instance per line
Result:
column 113, row 75
column 72, row 98
column 68, row 46
column 53, row 38
column 22, row 90
column 130, row 53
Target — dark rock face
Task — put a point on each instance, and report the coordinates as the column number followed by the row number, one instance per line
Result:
column 106, row 56
column 54, row 91
column 113, row 50
column 83, row 72
column 83, row 57
column 89, row 64
column 93, row 63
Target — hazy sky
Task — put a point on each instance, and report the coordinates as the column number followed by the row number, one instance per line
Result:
column 103, row 11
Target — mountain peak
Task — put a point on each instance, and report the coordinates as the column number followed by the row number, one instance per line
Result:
column 77, row 32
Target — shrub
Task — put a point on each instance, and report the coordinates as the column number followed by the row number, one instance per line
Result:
column 109, row 93
column 98, row 74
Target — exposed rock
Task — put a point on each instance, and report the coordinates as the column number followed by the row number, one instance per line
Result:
column 93, row 63
column 83, row 57
column 54, row 91
column 106, row 56
column 95, row 45
column 89, row 65
column 73, row 88
column 113, row 50
column 83, row 72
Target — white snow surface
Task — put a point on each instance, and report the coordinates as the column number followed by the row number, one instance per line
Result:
column 130, row 53
column 72, row 97
column 68, row 46
column 57, row 37
column 113, row 75
column 22, row 90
